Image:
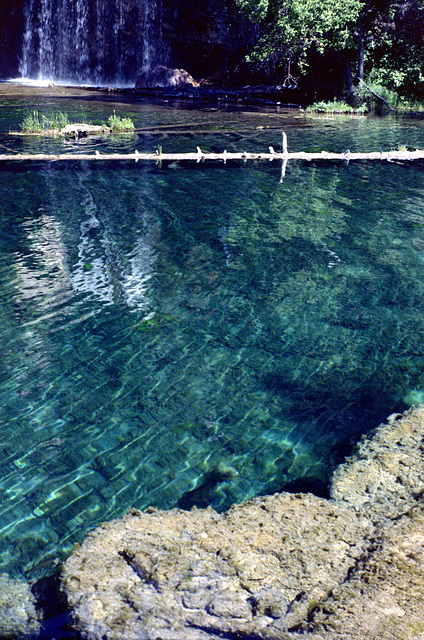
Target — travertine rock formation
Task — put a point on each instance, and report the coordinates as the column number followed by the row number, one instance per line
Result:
column 18, row 615
column 274, row 567
column 384, row 597
column 161, row 76
column 386, row 476
column 262, row 565
column 281, row 567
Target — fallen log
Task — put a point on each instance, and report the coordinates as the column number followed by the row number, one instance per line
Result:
column 201, row 156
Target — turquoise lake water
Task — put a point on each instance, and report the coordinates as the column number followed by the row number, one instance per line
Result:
column 196, row 334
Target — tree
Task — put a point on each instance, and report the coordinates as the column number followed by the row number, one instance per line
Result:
column 291, row 28
column 380, row 37
column 394, row 44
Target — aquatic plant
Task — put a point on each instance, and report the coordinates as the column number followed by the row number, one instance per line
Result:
column 372, row 97
column 116, row 123
column 36, row 122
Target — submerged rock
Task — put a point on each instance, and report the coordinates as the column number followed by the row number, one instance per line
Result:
column 81, row 130
column 273, row 567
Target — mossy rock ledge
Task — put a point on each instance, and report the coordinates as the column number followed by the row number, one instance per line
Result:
column 286, row 566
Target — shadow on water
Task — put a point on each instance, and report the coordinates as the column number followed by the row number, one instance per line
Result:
column 333, row 410
column 206, row 492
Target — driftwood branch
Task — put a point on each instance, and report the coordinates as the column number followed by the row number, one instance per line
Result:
column 376, row 94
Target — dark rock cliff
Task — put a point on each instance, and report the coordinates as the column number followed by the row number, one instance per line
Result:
column 11, row 33
column 208, row 38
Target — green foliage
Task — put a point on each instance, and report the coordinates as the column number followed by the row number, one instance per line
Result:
column 403, row 73
column 116, row 123
column 319, row 22
column 36, row 122
column 388, row 35
column 372, row 102
column 337, row 106
column 364, row 98
column 396, row 49
column 292, row 28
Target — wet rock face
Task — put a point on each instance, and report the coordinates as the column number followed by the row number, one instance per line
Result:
column 259, row 568
column 161, row 76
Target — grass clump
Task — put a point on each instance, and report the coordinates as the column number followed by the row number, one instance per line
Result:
column 37, row 122
column 116, row 123
column 337, row 106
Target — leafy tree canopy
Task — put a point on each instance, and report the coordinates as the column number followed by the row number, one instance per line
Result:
column 293, row 26
column 395, row 47
column 388, row 35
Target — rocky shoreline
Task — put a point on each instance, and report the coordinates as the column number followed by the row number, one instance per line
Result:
column 284, row 567
column 244, row 95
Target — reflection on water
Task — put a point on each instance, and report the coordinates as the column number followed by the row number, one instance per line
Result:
column 195, row 335
column 99, row 270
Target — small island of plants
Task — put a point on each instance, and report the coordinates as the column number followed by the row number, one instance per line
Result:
column 58, row 123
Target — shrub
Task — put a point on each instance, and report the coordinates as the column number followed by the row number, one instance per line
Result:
column 337, row 106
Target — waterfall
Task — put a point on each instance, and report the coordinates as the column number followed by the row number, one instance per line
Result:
column 91, row 41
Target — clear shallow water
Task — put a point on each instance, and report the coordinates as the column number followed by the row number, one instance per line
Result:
column 198, row 334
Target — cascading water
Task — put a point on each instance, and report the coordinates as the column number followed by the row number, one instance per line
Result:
column 91, row 42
